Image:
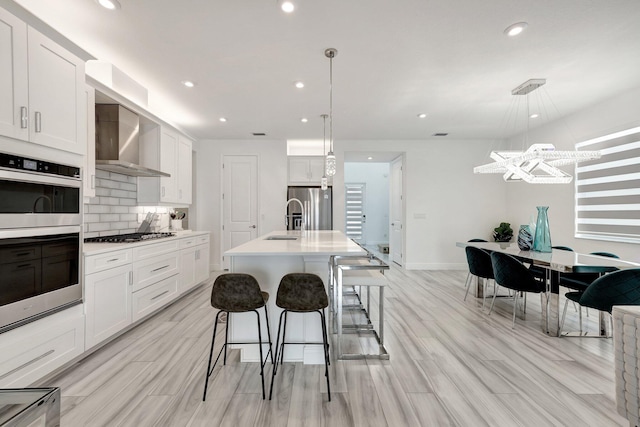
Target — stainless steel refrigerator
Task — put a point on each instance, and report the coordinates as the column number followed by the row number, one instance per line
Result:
column 318, row 208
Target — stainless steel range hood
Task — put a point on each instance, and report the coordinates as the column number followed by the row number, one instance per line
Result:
column 118, row 141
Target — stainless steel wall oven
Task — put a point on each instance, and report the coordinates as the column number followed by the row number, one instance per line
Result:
column 40, row 231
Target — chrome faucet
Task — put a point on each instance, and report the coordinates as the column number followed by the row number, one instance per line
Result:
column 286, row 215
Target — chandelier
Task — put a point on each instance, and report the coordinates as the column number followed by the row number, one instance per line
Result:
column 539, row 163
column 330, row 160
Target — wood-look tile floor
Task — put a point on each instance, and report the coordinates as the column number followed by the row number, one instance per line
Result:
column 451, row 364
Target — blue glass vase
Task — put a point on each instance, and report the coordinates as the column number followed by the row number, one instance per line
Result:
column 542, row 240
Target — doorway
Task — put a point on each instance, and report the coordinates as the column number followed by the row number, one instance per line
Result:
column 239, row 201
column 355, row 208
column 396, row 243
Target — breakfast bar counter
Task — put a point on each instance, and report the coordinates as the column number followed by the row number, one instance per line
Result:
column 270, row 257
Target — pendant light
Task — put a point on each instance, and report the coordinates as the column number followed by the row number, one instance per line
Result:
column 330, row 160
column 324, row 182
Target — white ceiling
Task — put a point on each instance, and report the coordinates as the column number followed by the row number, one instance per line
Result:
column 447, row 58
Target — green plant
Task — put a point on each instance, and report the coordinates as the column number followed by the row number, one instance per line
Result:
column 503, row 233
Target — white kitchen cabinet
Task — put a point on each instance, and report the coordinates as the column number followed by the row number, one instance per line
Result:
column 14, row 95
column 194, row 261
column 154, row 297
column 38, row 348
column 306, row 170
column 41, row 88
column 89, row 174
column 107, row 303
column 170, row 153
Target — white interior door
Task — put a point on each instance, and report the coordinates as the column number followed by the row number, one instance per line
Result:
column 396, row 240
column 239, row 201
column 355, row 214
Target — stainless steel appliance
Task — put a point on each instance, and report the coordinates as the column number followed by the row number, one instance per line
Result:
column 118, row 141
column 128, row 238
column 318, row 208
column 40, row 225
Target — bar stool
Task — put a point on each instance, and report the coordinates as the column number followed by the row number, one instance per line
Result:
column 334, row 262
column 361, row 275
column 237, row 293
column 301, row 293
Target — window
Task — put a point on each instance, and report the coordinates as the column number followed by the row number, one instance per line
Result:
column 608, row 189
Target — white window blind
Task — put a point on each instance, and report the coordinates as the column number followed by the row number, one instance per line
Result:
column 608, row 189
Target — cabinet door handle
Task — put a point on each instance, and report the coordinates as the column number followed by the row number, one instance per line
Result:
column 163, row 191
column 159, row 295
column 160, row 268
column 93, row 181
column 24, row 365
column 38, row 121
column 24, row 117
column 198, row 254
column 130, row 278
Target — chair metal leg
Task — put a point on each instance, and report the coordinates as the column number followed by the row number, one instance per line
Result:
column 261, row 356
column 226, row 338
column 467, row 284
column 515, row 306
column 493, row 301
column 266, row 315
column 564, row 313
column 213, row 341
column 325, row 345
column 580, row 317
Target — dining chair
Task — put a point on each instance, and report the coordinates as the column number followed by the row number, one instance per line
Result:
column 580, row 281
column 512, row 274
column 620, row 287
column 480, row 267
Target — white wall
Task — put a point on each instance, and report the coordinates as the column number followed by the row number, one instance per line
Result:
column 440, row 185
column 617, row 113
column 376, row 178
column 272, row 186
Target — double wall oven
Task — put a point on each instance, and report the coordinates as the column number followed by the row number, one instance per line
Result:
column 40, row 230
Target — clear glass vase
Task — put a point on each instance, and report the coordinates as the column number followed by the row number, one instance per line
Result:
column 542, row 240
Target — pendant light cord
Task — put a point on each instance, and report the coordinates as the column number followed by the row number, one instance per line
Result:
column 331, row 103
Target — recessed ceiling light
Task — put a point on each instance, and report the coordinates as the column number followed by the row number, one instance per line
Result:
column 534, row 116
column 188, row 83
column 109, row 4
column 287, row 6
column 299, row 85
column 422, row 115
column 304, row 120
column 222, row 119
column 515, row 29
column 369, row 158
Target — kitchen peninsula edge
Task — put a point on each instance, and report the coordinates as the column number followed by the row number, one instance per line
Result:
column 268, row 258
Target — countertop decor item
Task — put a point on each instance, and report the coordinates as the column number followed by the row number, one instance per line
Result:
column 503, row 233
column 525, row 238
column 542, row 240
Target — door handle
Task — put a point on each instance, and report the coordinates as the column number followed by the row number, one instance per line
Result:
column 252, row 226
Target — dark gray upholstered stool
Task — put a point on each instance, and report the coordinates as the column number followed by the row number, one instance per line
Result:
column 301, row 293
column 237, row 293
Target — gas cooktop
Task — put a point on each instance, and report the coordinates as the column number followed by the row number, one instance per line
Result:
column 127, row 238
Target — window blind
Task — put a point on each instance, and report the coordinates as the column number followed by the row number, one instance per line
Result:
column 608, row 189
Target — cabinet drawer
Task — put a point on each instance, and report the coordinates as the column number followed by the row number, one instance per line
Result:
column 188, row 243
column 101, row 262
column 153, row 297
column 38, row 348
column 150, row 271
column 155, row 249
column 203, row 239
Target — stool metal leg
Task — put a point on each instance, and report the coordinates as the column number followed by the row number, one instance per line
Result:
column 279, row 352
column 266, row 315
column 261, row 357
column 213, row 341
column 325, row 344
column 226, row 338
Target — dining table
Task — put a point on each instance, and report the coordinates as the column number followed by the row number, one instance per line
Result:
column 554, row 263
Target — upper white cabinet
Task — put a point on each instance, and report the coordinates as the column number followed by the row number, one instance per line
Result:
column 89, row 175
column 170, row 153
column 41, row 88
column 14, row 97
column 305, row 170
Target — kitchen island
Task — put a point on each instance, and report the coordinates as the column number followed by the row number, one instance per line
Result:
column 270, row 257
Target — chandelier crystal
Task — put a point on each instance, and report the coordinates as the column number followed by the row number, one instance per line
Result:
column 539, row 163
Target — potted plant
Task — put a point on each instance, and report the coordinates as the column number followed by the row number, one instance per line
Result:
column 503, row 233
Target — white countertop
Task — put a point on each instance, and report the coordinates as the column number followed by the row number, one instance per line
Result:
column 97, row 248
column 320, row 242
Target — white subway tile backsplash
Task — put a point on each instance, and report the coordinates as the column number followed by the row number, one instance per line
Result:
column 115, row 208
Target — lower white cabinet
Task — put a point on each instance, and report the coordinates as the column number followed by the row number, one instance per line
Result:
column 38, row 348
column 194, row 261
column 151, row 298
column 107, row 303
